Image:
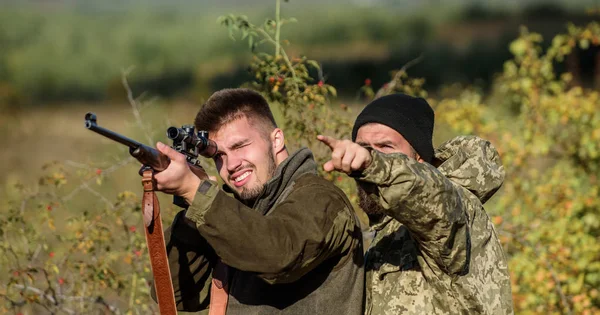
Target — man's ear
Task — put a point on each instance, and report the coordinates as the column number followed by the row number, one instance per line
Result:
column 277, row 140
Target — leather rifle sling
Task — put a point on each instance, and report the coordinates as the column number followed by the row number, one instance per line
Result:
column 219, row 295
column 156, row 247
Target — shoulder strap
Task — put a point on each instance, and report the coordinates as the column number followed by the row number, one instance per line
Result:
column 156, row 247
column 219, row 293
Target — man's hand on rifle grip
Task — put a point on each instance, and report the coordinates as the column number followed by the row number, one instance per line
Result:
column 178, row 179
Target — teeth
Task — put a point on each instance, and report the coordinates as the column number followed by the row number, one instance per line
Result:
column 241, row 177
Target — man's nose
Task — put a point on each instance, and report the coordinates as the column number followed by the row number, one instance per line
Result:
column 233, row 163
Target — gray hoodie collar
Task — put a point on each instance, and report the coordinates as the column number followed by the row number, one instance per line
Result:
column 299, row 163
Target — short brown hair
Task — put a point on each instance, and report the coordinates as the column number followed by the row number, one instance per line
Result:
column 227, row 105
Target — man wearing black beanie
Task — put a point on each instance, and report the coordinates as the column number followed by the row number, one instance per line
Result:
column 411, row 117
column 434, row 249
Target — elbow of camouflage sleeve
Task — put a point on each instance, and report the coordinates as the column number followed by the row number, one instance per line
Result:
column 456, row 253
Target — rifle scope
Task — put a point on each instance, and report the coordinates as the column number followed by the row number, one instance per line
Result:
column 186, row 137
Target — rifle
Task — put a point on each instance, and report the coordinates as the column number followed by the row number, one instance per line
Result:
column 184, row 141
column 191, row 145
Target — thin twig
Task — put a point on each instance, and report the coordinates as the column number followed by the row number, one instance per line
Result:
column 278, row 26
column 50, row 287
column 397, row 76
column 12, row 251
column 109, row 170
column 411, row 63
column 36, row 253
column 23, row 204
column 112, row 308
column 49, row 298
column 99, row 195
column 42, row 294
column 134, row 105
column 77, row 164
column 285, row 57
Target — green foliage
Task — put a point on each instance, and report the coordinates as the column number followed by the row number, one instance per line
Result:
column 94, row 254
column 57, row 257
column 548, row 210
column 65, row 53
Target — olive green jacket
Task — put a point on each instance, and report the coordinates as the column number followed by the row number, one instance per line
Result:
column 436, row 251
column 297, row 250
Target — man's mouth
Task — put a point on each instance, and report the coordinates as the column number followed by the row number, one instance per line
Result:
column 240, row 180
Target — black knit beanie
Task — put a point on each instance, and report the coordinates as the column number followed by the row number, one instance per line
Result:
column 412, row 117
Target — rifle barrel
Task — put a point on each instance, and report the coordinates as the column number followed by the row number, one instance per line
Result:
column 91, row 124
column 143, row 153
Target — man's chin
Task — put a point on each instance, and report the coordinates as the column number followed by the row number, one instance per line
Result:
column 247, row 194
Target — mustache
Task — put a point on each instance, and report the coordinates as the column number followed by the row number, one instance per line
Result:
column 241, row 167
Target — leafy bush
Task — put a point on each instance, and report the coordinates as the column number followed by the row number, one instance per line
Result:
column 64, row 257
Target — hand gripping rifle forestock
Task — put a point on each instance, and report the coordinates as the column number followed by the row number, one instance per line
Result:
column 156, row 162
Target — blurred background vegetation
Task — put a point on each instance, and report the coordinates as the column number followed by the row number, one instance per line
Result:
column 67, row 54
column 57, row 51
column 523, row 74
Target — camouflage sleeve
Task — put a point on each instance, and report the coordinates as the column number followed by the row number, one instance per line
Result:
column 311, row 225
column 191, row 262
column 426, row 202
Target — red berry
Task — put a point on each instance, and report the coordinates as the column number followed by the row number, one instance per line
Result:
column 320, row 83
column 271, row 79
column 367, row 82
column 138, row 253
column 61, row 281
column 51, row 254
column 49, row 207
column 132, row 228
column 279, row 79
column 98, row 171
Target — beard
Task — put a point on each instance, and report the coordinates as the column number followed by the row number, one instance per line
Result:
column 249, row 195
column 374, row 211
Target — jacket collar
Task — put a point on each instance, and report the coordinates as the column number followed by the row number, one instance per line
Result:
column 299, row 163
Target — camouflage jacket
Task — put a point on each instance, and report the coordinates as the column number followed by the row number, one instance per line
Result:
column 436, row 251
column 296, row 250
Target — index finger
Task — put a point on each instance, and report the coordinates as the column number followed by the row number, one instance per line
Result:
column 329, row 141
